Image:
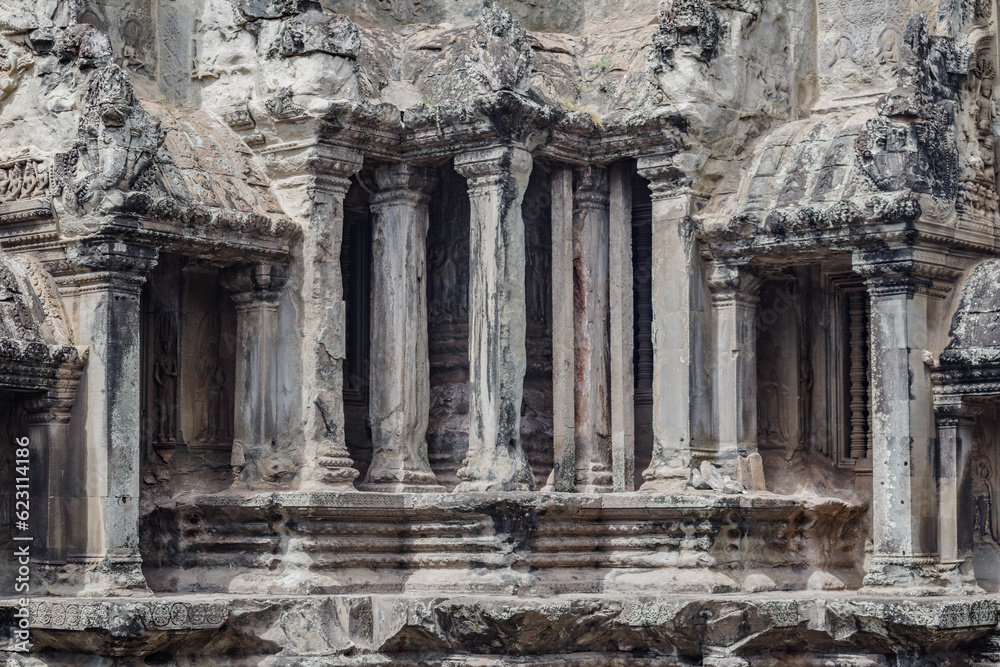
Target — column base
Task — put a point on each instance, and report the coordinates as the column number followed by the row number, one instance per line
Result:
column 400, row 481
column 665, row 479
column 487, row 485
column 334, row 471
column 919, row 576
column 505, row 472
column 595, row 480
column 108, row 577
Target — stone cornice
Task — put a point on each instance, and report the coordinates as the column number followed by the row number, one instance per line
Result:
column 430, row 135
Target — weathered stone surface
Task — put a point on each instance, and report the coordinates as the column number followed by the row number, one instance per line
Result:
column 400, row 381
column 271, row 269
column 497, row 179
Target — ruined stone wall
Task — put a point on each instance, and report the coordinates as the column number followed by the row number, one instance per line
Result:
column 573, row 333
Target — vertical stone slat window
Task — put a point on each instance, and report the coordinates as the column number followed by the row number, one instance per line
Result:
column 642, row 304
column 858, row 375
column 849, row 358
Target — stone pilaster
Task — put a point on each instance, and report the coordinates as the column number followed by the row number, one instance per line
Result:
column 400, row 374
column 675, row 281
column 105, row 294
column 734, row 389
column 52, row 473
column 590, row 329
column 497, row 179
column 255, row 290
column 563, row 350
column 954, row 420
column 621, row 330
column 324, row 320
column 904, row 488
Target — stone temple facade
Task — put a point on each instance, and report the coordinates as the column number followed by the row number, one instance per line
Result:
column 574, row 333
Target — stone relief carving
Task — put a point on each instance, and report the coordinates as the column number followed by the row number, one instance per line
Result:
column 15, row 312
column 112, row 614
column 14, row 61
column 138, row 46
column 911, row 145
column 25, row 190
column 499, row 55
column 984, row 9
column 117, row 141
column 984, row 515
column 862, row 43
column 165, row 372
column 130, row 26
column 692, row 25
column 315, row 32
column 402, row 10
column 211, row 394
column 978, row 178
column 55, row 317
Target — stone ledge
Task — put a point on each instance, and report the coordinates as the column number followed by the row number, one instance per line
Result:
column 500, row 543
column 435, row 630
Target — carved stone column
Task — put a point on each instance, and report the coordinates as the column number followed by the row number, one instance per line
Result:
column 734, row 390
column 324, row 321
column 590, row 328
column 676, row 279
column 52, row 473
column 105, row 295
column 255, row 290
column 497, row 179
column 563, row 476
column 621, row 330
column 954, row 420
column 400, row 375
column 904, row 499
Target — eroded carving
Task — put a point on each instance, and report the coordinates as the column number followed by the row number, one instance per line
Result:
column 691, row 25
column 499, row 55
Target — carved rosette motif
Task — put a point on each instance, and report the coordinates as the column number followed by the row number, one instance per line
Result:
column 107, row 615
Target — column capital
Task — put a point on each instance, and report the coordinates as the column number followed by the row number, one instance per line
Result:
column 51, row 408
column 261, row 282
column 732, row 281
column 592, row 189
column 333, row 166
column 481, row 167
column 105, row 260
column 402, row 182
column 955, row 410
column 902, row 273
column 666, row 178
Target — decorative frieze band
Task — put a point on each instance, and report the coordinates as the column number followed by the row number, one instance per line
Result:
column 109, row 615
